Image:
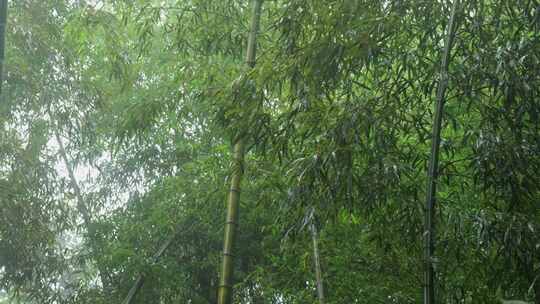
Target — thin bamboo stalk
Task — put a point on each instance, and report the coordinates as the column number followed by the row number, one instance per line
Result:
column 429, row 234
column 317, row 262
column 3, row 22
column 81, row 207
column 137, row 285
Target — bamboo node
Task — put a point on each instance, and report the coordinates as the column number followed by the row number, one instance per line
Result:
column 228, row 254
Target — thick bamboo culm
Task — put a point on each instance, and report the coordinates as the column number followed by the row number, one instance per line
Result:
column 226, row 277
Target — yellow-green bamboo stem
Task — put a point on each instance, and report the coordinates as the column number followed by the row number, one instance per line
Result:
column 226, row 278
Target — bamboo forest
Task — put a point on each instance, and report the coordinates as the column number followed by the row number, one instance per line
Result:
column 270, row 151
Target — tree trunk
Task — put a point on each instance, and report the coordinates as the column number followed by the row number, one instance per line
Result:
column 317, row 263
column 226, row 278
column 3, row 21
column 429, row 234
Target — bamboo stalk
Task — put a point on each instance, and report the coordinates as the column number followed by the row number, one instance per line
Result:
column 429, row 234
column 537, row 290
column 226, row 277
column 3, row 21
column 317, row 262
column 81, row 206
column 140, row 279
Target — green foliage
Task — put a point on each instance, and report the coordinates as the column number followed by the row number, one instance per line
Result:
column 148, row 95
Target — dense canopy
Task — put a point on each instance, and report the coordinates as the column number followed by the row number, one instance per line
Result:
column 278, row 151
